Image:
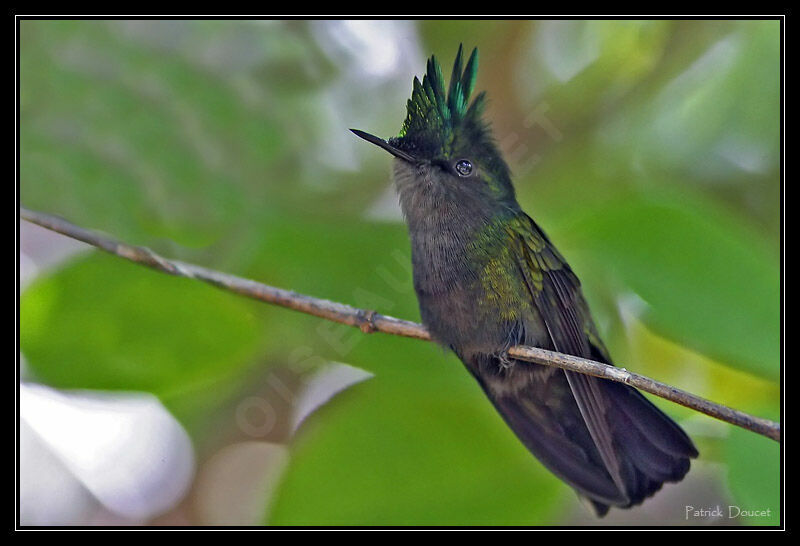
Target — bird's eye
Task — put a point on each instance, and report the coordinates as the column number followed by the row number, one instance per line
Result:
column 464, row 167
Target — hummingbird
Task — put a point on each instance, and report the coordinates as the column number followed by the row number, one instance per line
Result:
column 487, row 277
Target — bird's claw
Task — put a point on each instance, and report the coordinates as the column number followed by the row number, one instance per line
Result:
column 505, row 360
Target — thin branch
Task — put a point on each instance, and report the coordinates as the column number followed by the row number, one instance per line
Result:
column 370, row 321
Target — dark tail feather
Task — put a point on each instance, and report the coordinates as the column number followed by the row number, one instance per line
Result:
column 567, row 451
column 599, row 508
column 643, row 447
column 657, row 427
column 652, row 448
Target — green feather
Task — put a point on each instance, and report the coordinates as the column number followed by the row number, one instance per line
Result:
column 433, row 108
column 455, row 78
column 470, row 75
column 475, row 110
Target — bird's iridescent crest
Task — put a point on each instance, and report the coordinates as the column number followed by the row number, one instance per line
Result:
column 434, row 114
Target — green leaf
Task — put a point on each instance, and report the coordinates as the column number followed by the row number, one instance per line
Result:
column 155, row 130
column 418, row 446
column 754, row 476
column 103, row 323
column 708, row 282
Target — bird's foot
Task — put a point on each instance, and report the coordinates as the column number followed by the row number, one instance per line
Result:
column 505, row 361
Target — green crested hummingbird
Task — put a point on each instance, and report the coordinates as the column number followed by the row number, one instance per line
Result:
column 488, row 278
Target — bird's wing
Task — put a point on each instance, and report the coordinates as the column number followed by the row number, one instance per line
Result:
column 638, row 444
column 555, row 292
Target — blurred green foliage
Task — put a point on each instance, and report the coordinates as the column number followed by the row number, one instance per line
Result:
column 648, row 149
column 753, row 482
column 137, row 330
column 723, row 303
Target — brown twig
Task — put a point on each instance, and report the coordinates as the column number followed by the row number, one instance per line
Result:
column 370, row 321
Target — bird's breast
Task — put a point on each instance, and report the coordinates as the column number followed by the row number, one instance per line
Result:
column 470, row 296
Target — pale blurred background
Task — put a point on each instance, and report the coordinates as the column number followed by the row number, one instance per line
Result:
column 649, row 151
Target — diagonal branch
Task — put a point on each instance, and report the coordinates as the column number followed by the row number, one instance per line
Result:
column 370, row 321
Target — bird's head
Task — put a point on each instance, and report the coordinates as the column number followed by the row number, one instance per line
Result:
column 444, row 144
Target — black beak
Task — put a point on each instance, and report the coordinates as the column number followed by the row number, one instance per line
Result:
column 386, row 146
